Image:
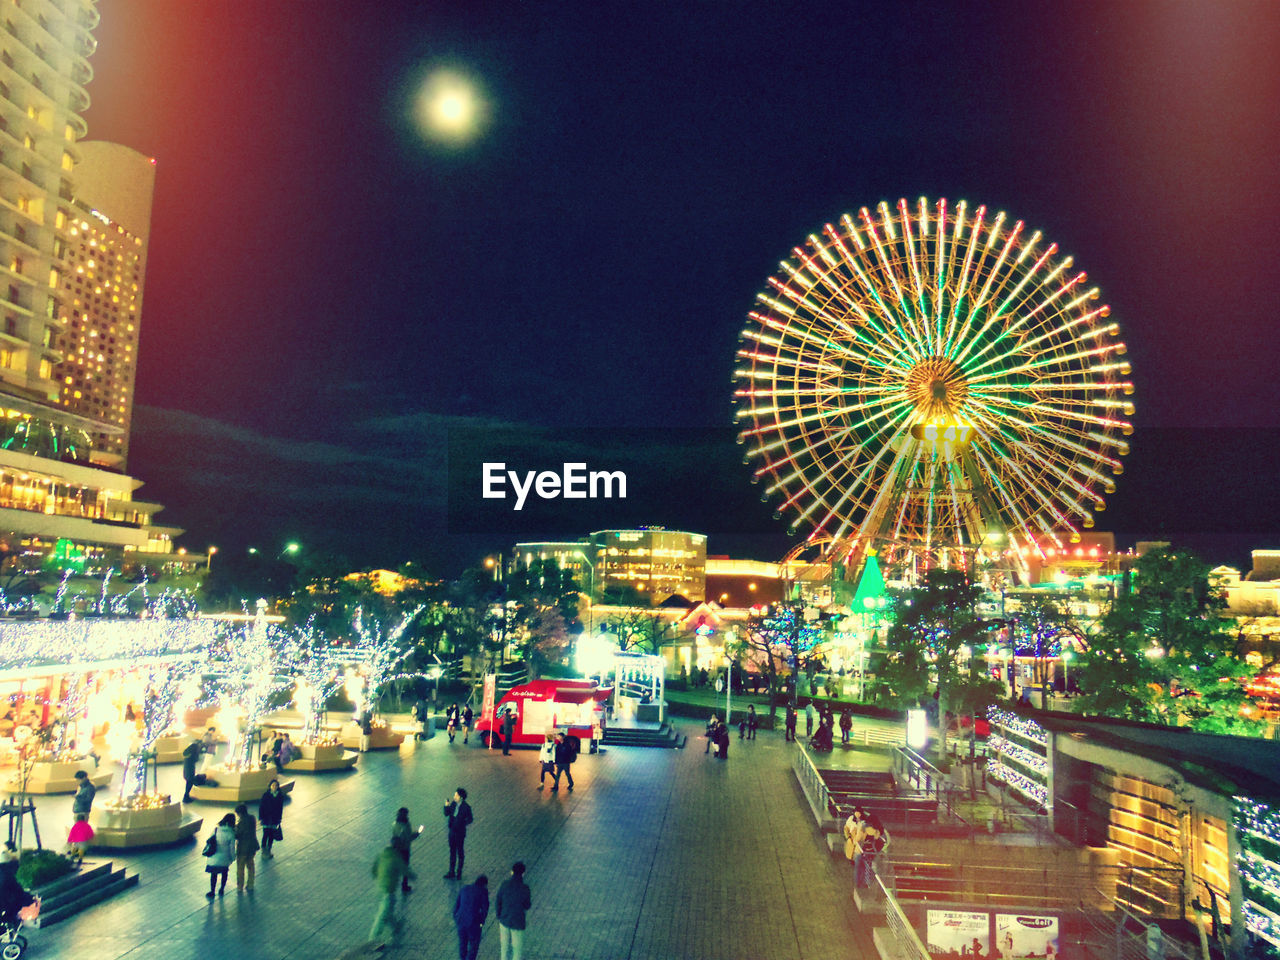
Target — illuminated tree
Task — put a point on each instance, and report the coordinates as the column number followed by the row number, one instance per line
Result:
column 779, row 641
column 251, row 667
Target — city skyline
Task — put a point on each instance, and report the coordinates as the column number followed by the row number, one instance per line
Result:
column 330, row 290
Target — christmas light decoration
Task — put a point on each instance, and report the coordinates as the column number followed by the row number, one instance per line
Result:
column 1014, row 723
column 1006, row 748
column 378, row 653
column 1029, row 788
column 1258, row 861
column 250, row 663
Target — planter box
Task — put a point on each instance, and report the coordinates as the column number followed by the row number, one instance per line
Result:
column 381, row 739
column 60, row 777
column 157, row 826
column 239, row 786
column 169, row 749
column 322, row 758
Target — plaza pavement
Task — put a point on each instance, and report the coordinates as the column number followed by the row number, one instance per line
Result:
column 656, row 854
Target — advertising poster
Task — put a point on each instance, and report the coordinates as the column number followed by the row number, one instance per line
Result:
column 1023, row 936
column 951, row 934
column 490, row 694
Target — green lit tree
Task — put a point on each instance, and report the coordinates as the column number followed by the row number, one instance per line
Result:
column 1164, row 652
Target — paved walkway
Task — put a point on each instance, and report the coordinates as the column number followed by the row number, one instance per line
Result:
column 656, row 854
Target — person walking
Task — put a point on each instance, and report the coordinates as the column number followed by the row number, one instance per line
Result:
column 508, row 730
column 220, row 853
column 470, row 911
column 458, row 812
column 451, row 721
column 791, row 724
column 420, row 712
column 565, row 754
column 402, row 837
column 513, row 902
column 270, row 813
column 712, row 724
column 846, row 724
column 82, row 802
column 467, row 716
column 389, row 872
column 190, row 759
column 809, row 716
column 546, row 760
column 753, row 721
column 246, row 846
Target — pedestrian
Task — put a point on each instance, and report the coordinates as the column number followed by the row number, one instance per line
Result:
column 82, row 802
column 874, row 840
column 210, row 741
column 458, row 812
column 546, row 760
column 13, row 895
column 753, row 721
column 508, row 730
column 270, row 814
column 220, row 853
column 853, row 827
column 246, row 846
column 846, row 724
column 712, row 724
column 809, row 716
column 288, row 750
column 419, row 712
column 722, row 742
column 402, row 837
column 389, row 872
column 451, row 721
column 565, row 754
column 467, row 716
column 78, row 837
column 190, row 759
column 512, row 903
column 470, row 911
column 791, row 723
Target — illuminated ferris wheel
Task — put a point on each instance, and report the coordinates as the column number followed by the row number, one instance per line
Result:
column 931, row 379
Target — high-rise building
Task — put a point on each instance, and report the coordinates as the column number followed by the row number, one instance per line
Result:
column 74, row 219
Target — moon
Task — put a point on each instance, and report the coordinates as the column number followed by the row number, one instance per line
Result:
column 451, row 108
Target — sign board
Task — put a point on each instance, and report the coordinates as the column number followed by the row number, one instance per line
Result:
column 490, row 695
column 958, row 933
column 1026, row 935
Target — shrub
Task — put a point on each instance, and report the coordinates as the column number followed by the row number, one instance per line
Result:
column 38, row 867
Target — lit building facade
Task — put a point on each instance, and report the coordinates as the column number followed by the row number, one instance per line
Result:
column 66, row 204
column 654, row 561
column 101, row 288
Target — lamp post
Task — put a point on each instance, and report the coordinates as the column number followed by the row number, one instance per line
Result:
column 208, row 560
column 591, row 589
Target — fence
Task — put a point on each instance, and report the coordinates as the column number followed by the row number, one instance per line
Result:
column 906, row 940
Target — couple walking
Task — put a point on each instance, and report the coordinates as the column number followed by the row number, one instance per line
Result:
column 471, row 909
column 555, row 757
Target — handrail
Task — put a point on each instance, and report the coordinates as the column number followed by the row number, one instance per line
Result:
column 811, row 780
column 910, row 946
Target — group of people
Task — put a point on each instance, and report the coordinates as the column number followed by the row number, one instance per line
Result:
column 824, row 737
column 455, row 719
column 235, row 840
column 865, row 838
column 392, row 873
column 555, row 757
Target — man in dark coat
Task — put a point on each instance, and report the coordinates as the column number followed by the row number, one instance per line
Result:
column 508, row 730
column 791, row 723
column 470, row 911
column 565, row 755
column 513, row 901
column 458, row 812
column 82, row 802
column 190, row 757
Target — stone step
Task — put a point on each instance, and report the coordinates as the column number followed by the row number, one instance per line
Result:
column 65, row 889
column 116, row 881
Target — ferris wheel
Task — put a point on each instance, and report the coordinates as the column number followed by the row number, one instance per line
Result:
column 932, row 379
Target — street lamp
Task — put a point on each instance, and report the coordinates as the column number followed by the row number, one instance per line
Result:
column 591, row 588
column 290, row 548
column 208, row 562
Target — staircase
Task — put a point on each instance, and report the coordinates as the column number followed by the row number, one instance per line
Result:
column 93, row 883
column 663, row 736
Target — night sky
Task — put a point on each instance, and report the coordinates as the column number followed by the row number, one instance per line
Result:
column 330, row 299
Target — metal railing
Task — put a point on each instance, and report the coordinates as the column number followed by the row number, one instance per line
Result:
column 815, row 788
column 908, row 942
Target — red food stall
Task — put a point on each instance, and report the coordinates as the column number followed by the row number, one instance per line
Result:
column 576, row 707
